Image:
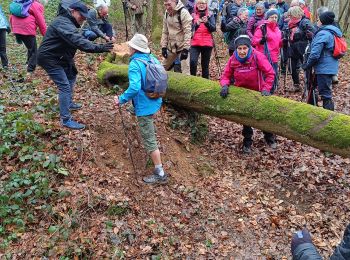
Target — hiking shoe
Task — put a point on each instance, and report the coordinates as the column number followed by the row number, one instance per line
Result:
column 246, row 149
column 75, row 106
column 155, row 178
column 71, row 124
column 273, row 144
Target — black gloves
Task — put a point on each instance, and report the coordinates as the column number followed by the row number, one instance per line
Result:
column 224, row 91
column 300, row 237
column 263, row 40
column 184, row 54
column 107, row 47
column 165, row 52
column 265, row 93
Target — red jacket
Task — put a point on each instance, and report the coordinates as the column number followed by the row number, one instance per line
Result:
column 202, row 33
column 28, row 25
column 255, row 74
column 274, row 40
column 307, row 12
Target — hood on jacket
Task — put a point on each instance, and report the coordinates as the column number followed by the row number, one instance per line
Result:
column 335, row 30
column 179, row 5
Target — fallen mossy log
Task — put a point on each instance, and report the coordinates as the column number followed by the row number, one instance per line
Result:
column 317, row 127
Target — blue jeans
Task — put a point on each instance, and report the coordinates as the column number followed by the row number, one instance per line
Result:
column 65, row 80
column 105, row 28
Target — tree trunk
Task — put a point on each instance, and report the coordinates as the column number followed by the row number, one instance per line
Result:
column 317, row 127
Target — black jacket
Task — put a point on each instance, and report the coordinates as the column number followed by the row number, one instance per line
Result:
column 61, row 42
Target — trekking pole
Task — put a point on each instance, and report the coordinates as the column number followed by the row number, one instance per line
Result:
column 126, row 24
column 126, row 136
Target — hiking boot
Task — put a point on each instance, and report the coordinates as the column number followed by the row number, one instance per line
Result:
column 71, row 124
column 272, row 144
column 155, row 178
column 246, row 149
column 75, row 106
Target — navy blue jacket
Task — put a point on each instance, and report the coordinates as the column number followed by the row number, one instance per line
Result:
column 321, row 55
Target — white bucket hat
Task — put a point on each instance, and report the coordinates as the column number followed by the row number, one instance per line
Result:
column 139, row 42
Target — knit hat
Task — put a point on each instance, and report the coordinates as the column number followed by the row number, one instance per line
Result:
column 327, row 18
column 242, row 40
column 302, row 2
column 139, row 42
column 271, row 12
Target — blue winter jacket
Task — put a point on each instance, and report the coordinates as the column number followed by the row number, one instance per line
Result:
column 3, row 21
column 144, row 106
column 321, row 55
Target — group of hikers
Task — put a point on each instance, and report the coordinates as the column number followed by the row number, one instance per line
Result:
column 256, row 34
column 259, row 35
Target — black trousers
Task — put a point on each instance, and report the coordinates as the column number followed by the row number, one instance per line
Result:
column 247, row 133
column 205, row 53
column 297, row 52
column 3, row 56
column 30, row 42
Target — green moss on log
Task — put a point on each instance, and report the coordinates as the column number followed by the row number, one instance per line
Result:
column 320, row 128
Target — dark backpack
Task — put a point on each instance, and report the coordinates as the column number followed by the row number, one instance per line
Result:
column 20, row 8
column 156, row 81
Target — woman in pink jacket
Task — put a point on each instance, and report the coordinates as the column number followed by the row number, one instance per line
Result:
column 248, row 68
column 25, row 31
column 268, row 40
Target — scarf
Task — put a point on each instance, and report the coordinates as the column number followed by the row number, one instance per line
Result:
column 293, row 26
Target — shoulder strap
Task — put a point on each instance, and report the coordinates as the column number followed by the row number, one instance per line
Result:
column 179, row 16
column 263, row 29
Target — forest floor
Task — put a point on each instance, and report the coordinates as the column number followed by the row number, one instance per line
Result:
column 219, row 203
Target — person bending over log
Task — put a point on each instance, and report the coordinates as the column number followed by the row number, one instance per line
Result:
column 248, row 68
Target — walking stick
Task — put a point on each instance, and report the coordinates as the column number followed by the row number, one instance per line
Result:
column 126, row 136
column 126, row 24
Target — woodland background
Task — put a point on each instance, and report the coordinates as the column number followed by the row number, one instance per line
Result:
column 74, row 195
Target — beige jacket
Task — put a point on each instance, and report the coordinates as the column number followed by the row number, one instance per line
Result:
column 177, row 37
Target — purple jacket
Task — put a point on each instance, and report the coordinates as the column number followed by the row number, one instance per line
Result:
column 253, row 23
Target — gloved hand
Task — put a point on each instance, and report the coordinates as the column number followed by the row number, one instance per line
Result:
column 265, row 93
column 304, row 66
column 263, row 40
column 224, row 91
column 165, row 52
column 300, row 237
column 107, row 47
column 184, row 54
